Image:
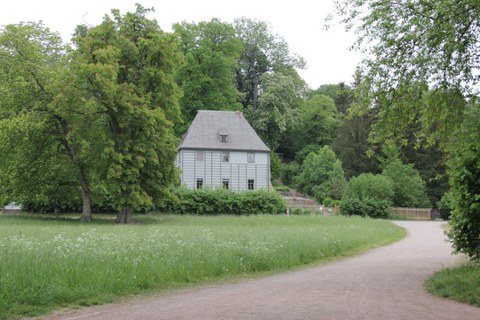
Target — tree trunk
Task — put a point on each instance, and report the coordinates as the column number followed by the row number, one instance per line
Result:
column 124, row 216
column 87, row 209
column 255, row 91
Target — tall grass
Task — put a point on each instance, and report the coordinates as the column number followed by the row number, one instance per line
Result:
column 50, row 263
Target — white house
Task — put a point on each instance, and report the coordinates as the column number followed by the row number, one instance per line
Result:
column 221, row 150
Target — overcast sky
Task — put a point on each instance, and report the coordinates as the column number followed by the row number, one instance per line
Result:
column 300, row 23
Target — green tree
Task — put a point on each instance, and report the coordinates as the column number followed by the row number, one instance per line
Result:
column 464, row 167
column 128, row 65
column 43, row 118
column 278, row 108
column 342, row 94
column 352, row 145
column 422, row 63
column 412, row 43
column 207, row 79
column 408, row 187
column 321, row 175
column 319, row 122
column 435, row 41
column 344, row 97
column 263, row 52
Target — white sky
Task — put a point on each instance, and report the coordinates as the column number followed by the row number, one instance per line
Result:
column 299, row 22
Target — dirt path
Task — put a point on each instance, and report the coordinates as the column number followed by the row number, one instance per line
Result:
column 386, row 283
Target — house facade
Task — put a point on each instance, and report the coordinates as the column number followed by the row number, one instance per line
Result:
column 222, row 150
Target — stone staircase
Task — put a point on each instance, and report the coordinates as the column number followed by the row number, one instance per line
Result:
column 297, row 200
column 301, row 203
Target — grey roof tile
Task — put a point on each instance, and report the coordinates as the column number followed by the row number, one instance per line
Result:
column 209, row 124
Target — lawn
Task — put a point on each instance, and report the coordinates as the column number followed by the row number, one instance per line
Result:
column 461, row 284
column 49, row 263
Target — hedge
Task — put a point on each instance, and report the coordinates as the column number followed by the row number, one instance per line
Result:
column 225, row 202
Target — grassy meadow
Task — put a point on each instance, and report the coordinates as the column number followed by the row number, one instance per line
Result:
column 48, row 263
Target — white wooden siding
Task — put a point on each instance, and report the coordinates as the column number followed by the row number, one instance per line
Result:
column 213, row 170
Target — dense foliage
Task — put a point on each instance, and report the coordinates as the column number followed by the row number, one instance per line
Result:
column 222, row 201
column 368, row 195
column 408, row 186
column 321, row 175
column 96, row 117
column 129, row 64
column 46, row 126
column 422, row 72
column 207, row 78
column 464, row 168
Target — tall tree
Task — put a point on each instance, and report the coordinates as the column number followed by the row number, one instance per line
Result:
column 207, row 78
column 423, row 62
column 129, row 64
column 42, row 115
column 263, row 52
column 352, row 145
column 278, row 108
column 342, row 94
column 412, row 44
column 320, row 121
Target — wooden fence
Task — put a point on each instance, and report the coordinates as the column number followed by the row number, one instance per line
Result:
column 311, row 205
column 413, row 213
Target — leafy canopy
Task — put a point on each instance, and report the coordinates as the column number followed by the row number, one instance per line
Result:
column 321, row 175
column 128, row 64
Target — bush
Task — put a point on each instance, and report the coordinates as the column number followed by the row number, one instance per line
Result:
column 275, row 166
column 368, row 195
column 464, row 171
column 225, row 202
column 370, row 186
column 366, row 207
column 446, row 206
column 288, row 172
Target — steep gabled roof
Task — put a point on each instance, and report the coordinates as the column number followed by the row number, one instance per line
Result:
column 208, row 125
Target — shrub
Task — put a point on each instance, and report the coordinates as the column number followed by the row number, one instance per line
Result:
column 374, row 208
column 281, row 188
column 275, row 166
column 368, row 195
column 464, row 171
column 288, row 172
column 224, row 202
column 371, row 186
column 446, row 206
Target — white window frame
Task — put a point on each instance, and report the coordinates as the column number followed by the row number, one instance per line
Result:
column 252, row 184
column 225, row 184
column 250, row 157
column 201, row 183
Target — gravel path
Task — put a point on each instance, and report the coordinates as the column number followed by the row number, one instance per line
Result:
column 386, row 283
